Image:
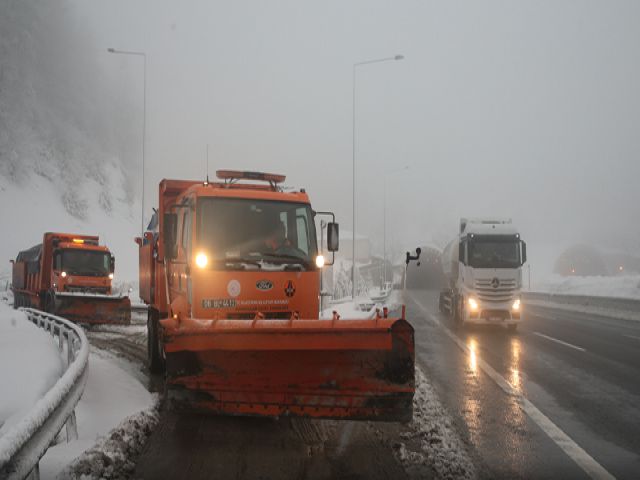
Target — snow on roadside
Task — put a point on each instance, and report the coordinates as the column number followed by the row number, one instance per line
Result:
column 115, row 455
column 430, row 440
column 110, row 395
column 588, row 309
column 30, row 364
column 621, row 286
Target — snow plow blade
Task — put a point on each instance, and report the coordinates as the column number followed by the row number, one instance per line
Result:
column 341, row 369
column 94, row 309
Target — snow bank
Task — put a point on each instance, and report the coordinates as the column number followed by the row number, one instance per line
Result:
column 110, row 395
column 114, row 456
column 622, row 286
column 431, row 440
column 30, row 364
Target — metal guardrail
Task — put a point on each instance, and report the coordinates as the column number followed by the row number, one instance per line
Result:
column 613, row 303
column 22, row 447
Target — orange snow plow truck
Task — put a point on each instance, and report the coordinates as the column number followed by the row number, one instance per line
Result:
column 70, row 276
column 231, row 273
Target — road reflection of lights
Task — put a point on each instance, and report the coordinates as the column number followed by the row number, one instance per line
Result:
column 514, row 377
column 473, row 358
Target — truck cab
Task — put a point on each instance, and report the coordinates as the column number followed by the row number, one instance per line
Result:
column 81, row 265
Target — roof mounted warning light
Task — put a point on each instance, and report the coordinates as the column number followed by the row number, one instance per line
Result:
column 232, row 176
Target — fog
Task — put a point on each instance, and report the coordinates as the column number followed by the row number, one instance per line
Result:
column 527, row 110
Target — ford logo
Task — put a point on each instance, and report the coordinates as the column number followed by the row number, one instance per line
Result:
column 264, row 285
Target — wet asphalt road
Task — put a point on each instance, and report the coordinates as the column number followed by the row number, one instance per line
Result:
column 588, row 386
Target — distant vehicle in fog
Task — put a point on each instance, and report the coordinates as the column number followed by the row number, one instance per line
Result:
column 483, row 266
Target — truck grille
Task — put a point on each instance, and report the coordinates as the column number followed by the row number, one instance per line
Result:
column 489, row 293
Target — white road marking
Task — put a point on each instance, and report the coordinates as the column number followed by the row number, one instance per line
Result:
column 568, row 446
column 632, row 336
column 559, row 341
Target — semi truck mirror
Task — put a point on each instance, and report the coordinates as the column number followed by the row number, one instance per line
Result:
column 333, row 237
column 461, row 252
column 138, row 240
column 170, row 230
column 524, row 253
column 112, row 264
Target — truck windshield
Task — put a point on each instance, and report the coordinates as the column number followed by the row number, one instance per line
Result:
column 491, row 253
column 256, row 231
column 83, row 262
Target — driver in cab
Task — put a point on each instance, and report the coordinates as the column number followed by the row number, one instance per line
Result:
column 277, row 238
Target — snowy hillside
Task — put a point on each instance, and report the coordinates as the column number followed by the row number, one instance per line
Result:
column 65, row 140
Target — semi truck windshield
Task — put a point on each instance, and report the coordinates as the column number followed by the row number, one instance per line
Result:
column 494, row 254
column 83, row 262
column 256, row 230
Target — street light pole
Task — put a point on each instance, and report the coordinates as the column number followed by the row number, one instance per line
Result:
column 144, row 119
column 353, row 151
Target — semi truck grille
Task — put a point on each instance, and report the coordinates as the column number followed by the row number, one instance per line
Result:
column 491, row 291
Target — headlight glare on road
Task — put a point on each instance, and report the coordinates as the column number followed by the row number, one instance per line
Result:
column 473, row 304
column 516, row 305
column 201, row 260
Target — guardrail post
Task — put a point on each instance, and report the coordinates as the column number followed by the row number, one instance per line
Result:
column 72, row 427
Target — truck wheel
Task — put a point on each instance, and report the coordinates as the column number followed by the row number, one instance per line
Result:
column 458, row 313
column 154, row 349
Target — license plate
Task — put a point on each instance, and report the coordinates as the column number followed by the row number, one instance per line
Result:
column 219, row 303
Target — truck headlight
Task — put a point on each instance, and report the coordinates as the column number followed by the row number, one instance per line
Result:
column 63, row 274
column 111, row 276
column 201, row 260
column 516, row 305
column 473, row 304
column 320, row 261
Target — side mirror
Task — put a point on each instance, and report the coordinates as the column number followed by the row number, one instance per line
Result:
column 12, row 261
column 524, row 252
column 333, row 237
column 169, row 235
column 112, row 264
column 138, row 240
column 461, row 252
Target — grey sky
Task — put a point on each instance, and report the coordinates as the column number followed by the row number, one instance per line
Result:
column 521, row 109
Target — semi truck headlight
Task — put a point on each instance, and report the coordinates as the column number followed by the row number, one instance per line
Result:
column 516, row 305
column 201, row 260
column 111, row 276
column 320, row 261
column 63, row 274
column 473, row 304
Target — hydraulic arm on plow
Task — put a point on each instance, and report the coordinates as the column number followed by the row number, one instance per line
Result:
column 231, row 273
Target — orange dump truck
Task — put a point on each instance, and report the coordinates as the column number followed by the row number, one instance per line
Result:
column 231, row 274
column 69, row 275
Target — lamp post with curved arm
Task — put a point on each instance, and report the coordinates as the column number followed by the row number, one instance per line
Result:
column 353, row 145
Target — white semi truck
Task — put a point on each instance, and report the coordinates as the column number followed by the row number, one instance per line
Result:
column 483, row 266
